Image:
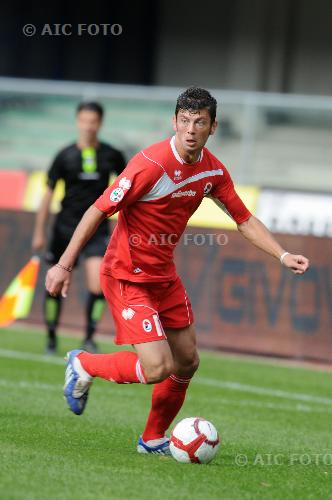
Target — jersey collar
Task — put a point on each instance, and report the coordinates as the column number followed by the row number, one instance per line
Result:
column 176, row 154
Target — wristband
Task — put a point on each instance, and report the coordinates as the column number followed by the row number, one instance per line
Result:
column 69, row 269
column 283, row 256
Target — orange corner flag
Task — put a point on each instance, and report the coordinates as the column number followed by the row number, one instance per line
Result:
column 17, row 300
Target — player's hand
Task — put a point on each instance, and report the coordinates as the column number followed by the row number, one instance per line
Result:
column 57, row 281
column 296, row 263
column 38, row 242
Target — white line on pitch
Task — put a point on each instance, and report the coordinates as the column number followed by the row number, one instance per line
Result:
column 277, row 393
column 220, row 384
column 21, row 384
column 223, row 401
column 26, row 356
column 298, row 407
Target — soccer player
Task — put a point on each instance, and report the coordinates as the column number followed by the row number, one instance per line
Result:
column 155, row 195
column 85, row 167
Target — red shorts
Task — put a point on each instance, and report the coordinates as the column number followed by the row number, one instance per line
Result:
column 141, row 311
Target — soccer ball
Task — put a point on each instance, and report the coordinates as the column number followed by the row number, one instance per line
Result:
column 194, row 440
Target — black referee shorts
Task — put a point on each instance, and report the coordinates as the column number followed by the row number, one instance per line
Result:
column 95, row 247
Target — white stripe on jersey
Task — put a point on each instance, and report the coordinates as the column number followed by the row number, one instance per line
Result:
column 165, row 186
column 221, row 205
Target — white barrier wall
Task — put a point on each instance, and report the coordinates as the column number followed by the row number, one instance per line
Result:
column 266, row 140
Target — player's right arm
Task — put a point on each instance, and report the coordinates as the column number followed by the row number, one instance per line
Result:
column 58, row 277
column 135, row 181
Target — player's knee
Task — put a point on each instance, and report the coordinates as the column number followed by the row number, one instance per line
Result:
column 192, row 363
column 158, row 373
column 188, row 365
column 195, row 362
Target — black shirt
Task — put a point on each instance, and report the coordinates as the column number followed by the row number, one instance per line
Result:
column 86, row 175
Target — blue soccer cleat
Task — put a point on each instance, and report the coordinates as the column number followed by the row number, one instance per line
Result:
column 77, row 383
column 155, row 446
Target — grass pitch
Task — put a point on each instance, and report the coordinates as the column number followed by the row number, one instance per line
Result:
column 275, row 423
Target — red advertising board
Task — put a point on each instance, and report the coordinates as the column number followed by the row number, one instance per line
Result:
column 243, row 300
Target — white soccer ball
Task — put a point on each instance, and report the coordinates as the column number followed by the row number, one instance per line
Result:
column 194, row 440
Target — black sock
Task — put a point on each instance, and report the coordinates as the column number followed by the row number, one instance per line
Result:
column 52, row 310
column 94, row 309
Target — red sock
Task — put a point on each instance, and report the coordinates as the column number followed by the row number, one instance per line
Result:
column 167, row 400
column 121, row 367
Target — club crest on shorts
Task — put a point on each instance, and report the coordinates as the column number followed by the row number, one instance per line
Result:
column 117, row 194
column 147, row 326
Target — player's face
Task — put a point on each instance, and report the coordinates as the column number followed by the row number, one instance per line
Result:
column 88, row 124
column 193, row 129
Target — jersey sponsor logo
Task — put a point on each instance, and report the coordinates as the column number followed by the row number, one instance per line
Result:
column 147, row 325
column 117, row 194
column 177, row 175
column 125, row 183
column 207, row 188
column 127, row 313
column 178, row 194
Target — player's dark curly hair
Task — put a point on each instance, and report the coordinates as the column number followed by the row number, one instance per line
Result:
column 91, row 106
column 194, row 99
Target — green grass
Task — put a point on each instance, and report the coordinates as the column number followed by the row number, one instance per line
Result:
column 48, row 453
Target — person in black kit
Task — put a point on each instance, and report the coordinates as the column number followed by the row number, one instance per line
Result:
column 85, row 168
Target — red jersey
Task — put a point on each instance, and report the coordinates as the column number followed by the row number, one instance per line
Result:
column 155, row 196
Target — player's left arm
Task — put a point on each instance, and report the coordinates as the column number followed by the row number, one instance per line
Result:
column 251, row 228
column 258, row 234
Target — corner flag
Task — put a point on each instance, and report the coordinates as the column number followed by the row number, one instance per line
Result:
column 17, row 300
